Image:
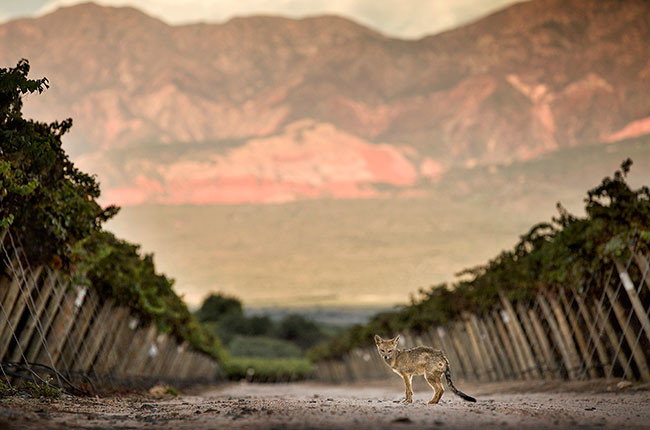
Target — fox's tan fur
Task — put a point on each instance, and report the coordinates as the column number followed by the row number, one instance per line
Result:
column 421, row 360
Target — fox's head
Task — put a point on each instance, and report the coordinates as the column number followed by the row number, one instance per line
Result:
column 386, row 347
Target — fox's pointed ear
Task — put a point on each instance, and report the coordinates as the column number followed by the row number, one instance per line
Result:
column 396, row 339
column 377, row 339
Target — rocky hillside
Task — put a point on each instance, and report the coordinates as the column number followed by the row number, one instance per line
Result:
column 267, row 109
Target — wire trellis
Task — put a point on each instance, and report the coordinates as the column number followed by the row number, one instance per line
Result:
column 57, row 333
column 599, row 328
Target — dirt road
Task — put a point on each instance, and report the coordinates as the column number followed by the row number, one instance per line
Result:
column 310, row 405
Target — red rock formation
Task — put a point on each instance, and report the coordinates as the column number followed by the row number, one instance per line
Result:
column 326, row 107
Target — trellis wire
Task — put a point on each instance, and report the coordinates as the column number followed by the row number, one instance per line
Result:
column 572, row 330
column 35, row 317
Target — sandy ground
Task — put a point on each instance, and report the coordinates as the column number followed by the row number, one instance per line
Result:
column 311, row 405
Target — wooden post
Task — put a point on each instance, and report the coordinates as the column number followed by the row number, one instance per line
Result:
column 61, row 326
column 484, row 345
column 481, row 358
column 566, row 334
column 520, row 337
column 580, row 339
column 557, row 336
column 143, row 356
column 5, row 283
column 644, row 266
column 440, row 334
column 95, row 336
column 463, row 338
column 135, row 348
column 630, row 289
column 531, row 335
column 34, row 318
column 3, row 233
column 170, row 353
column 550, row 366
column 508, row 371
column 36, row 344
column 87, row 308
column 128, row 345
column 106, row 339
column 8, row 305
column 112, row 358
column 173, row 367
column 516, row 344
column 621, row 356
column 162, row 342
column 488, row 343
column 22, row 300
column 638, row 355
column 462, row 353
column 593, row 334
column 518, row 372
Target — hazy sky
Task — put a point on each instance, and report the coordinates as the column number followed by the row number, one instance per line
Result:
column 401, row 18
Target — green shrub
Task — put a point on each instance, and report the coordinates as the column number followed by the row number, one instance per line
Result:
column 267, row 369
column 262, row 346
column 51, row 208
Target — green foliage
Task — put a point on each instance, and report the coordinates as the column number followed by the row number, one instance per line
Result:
column 553, row 255
column 6, row 390
column 172, row 391
column 268, row 369
column 51, row 208
column 116, row 269
column 299, row 330
column 216, row 306
column 48, row 202
column 262, row 346
column 40, row 390
column 225, row 318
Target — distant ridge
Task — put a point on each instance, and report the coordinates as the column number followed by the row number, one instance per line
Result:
column 269, row 109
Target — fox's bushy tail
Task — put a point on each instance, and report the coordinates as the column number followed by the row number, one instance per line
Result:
column 455, row 390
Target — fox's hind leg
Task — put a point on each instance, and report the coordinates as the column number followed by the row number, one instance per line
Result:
column 435, row 381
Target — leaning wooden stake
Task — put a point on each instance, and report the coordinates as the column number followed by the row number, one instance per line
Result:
column 75, row 341
column 516, row 364
column 441, row 335
column 557, row 336
column 462, row 352
column 531, row 335
column 628, row 333
column 594, row 335
column 481, row 358
column 23, row 300
column 569, row 343
column 630, row 289
column 37, row 343
column 60, row 328
column 520, row 338
column 490, row 348
column 551, row 368
column 580, row 338
column 612, row 337
column 34, row 319
column 644, row 266
column 500, row 350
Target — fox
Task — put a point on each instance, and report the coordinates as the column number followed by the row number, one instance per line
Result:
column 421, row 360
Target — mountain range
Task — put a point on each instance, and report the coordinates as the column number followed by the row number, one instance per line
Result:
column 268, row 109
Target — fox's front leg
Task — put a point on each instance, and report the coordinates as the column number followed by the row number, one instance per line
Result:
column 409, row 391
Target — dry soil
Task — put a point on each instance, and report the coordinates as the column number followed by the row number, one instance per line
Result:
column 359, row 406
